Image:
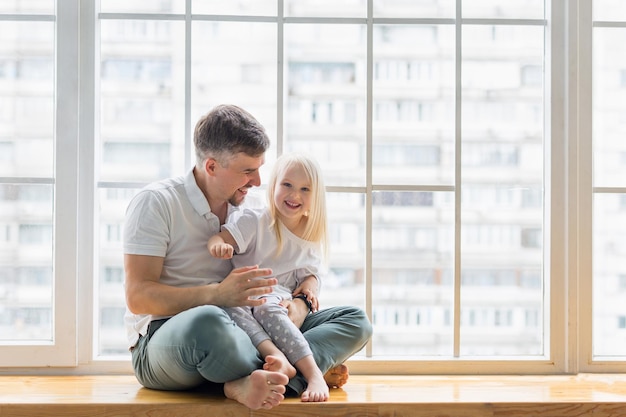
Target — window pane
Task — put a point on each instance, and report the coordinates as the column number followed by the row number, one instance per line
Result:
column 502, row 185
column 325, row 105
column 345, row 282
column 142, row 90
column 510, row 9
column 27, row 7
column 26, row 280
column 413, row 114
column 26, row 150
column 235, row 63
column 609, row 107
column 110, row 307
column 27, row 95
column 610, row 10
column 125, row 6
column 229, row 7
column 609, row 275
column 326, row 8
column 415, row 8
column 413, row 259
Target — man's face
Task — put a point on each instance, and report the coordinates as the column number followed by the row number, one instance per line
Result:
column 238, row 175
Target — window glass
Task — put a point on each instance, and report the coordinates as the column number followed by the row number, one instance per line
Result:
column 326, row 8
column 609, row 10
column 413, row 107
column 510, row 9
column 345, row 283
column 27, row 98
column 502, row 161
column 415, row 8
column 412, row 258
column 26, row 266
column 235, row 63
column 229, row 7
column 110, row 337
column 27, row 7
column 609, row 115
column 609, row 251
column 325, row 87
column 141, row 88
column 141, row 140
column 156, row 6
column 27, row 173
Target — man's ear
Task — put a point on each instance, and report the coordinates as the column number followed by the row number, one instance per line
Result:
column 210, row 164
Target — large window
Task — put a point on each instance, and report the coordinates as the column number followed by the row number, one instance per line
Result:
column 472, row 152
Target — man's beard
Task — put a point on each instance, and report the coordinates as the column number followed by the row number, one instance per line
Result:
column 234, row 201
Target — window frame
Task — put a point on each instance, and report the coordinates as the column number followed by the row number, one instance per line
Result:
column 61, row 350
column 568, row 205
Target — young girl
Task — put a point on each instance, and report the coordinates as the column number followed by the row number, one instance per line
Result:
column 290, row 237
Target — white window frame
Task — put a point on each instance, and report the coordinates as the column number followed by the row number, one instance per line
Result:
column 62, row 350
column 568, row 202
column 583, row 189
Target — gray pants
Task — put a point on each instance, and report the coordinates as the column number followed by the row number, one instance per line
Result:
column 204, row 344
column 270, row 321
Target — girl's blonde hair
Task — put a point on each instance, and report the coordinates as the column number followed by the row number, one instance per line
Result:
column 316, row 229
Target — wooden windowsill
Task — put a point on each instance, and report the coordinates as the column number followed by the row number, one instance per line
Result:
column 375, row 395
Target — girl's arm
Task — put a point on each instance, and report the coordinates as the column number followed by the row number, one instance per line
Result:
column 222, row 245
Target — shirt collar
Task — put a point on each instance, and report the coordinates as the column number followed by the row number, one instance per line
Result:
column 197, row 198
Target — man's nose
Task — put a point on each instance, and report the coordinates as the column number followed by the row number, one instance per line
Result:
column 255, row 179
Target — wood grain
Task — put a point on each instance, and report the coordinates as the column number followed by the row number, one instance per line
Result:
column 598, row 395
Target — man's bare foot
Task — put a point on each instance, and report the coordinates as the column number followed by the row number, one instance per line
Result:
column 337, row 377
column 316, row 390
column 261, row 389
column 279, row 364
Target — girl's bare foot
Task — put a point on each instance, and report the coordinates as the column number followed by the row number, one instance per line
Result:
column 316, row 390
column 337, row 377
column 279, row 364
column 261, row 389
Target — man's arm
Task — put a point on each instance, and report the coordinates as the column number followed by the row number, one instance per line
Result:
column 146, row 295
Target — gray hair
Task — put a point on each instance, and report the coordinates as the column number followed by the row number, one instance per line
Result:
column 227, row 130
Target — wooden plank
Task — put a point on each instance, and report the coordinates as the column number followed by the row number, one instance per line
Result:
column 373, row 409
column 560, row 410
column 600, row 395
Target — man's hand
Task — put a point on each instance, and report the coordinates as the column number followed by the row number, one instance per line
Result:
column 242, row 286
column 297, row 310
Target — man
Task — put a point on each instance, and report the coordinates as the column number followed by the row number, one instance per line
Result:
column 180, row 336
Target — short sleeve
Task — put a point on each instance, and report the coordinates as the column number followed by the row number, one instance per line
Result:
column 147, row 224
column 244, row 230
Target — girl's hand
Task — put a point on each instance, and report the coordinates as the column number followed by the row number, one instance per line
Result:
column 309, row 288
column 222, row 251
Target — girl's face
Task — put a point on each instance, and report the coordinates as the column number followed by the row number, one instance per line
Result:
column 293, row 194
